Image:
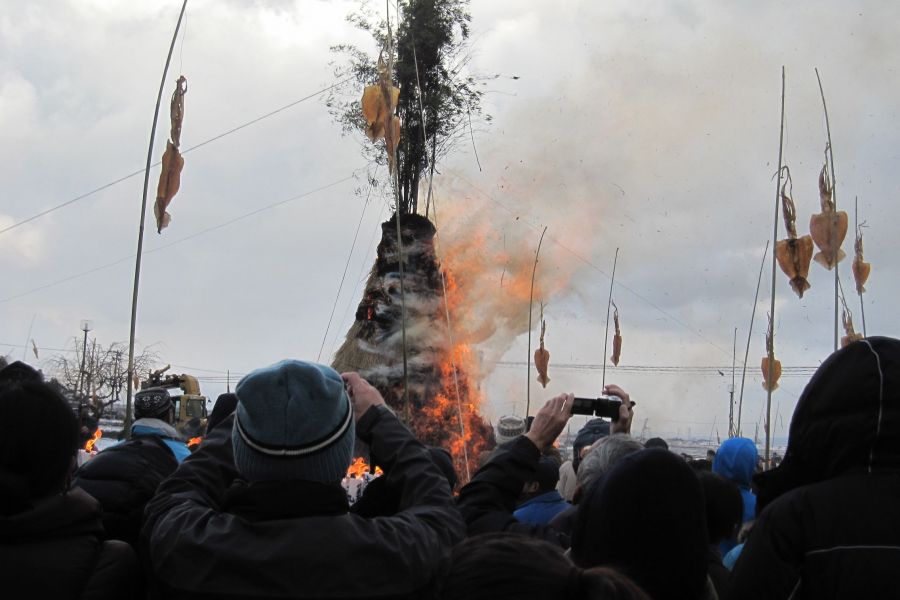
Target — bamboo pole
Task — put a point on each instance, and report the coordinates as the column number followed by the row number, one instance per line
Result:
column 834, row 200
column 140, row 242
column 762, row 265
column 612, row 280
column 771, row 348
column 530, row 311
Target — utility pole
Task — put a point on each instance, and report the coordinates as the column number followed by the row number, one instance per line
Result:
column 85, row 327
column 731, row 428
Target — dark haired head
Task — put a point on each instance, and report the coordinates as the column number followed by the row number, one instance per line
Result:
column 509, row 566
column 646, row 517
column 724, row 506
column 19, row 371
column 37, row 449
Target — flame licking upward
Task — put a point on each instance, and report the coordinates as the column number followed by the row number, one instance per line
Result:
column 194, row 441
column 359, row 467
column 89, row 445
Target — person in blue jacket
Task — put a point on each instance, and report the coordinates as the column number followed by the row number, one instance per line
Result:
column 542, row 501
column 736, row 461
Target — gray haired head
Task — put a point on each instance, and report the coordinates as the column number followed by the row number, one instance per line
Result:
column 603, row 456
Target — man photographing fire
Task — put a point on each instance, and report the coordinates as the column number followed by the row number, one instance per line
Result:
column 259, row 508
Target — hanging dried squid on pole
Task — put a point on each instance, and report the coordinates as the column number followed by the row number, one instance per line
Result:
column 172, row 161
column 542, row 357
column 794, row 254
column 829, row 227
column 771, row 370
column 379, row 102
column 617, row 338
column 850, row 334
column 861, row 269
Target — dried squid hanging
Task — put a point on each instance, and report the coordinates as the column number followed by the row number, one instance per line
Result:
column 379, row 102
column 850, row 334
column 861, row 269
column 829, row 227
column 617, row 338
column 172, row 161
column 771, row 373
column 793, row 254
column 542, row 357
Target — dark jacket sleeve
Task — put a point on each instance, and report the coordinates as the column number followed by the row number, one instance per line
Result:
column 488, row 501
column 769, row 564
column 116, row 574
column 193, row 546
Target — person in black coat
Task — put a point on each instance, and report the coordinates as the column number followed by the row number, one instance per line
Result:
column 51, row 536
column 258, row 511
column 830, row 523
column 646, row 517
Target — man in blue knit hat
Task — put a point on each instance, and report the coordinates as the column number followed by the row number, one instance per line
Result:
column 258, row 510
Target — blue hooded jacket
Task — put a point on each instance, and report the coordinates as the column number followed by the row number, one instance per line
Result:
column 736, row 461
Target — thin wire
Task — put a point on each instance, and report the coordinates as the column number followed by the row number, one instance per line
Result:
column 156, row 164
column 359, row 277
column 179, row 241
column 344, row 274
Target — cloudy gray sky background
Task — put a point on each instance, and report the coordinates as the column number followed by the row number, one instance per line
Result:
column 649, row 127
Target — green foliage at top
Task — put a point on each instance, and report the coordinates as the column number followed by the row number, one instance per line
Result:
column 429, row 55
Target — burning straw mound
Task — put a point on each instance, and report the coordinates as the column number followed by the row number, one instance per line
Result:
column 439, row 387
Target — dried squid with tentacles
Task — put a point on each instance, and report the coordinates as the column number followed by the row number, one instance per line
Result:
column 378, row 104
column 850, row 334
column 861, row 269
column 793, row 254
column 542, row 358
column 617, row 338
column 829, row 227
column 172, row 161
column 771, row 373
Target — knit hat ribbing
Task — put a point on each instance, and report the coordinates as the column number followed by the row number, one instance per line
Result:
column 293, row 421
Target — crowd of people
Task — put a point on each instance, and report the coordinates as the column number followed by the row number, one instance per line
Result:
column 258, row 511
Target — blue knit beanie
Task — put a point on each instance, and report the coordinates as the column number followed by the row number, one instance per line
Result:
column 293, row 421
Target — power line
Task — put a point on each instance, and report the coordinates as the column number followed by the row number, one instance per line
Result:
column 200, row 145
column 797, row 371
column 179, row 241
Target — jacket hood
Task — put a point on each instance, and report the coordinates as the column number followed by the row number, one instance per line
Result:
column 151, row 426
column 736, row 460
column 847, row 418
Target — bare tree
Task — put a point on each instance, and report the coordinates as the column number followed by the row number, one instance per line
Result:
column 105, row 371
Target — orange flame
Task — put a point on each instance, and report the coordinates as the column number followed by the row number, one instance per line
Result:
column 359, row 467
column 89, row 445
column 194, row 441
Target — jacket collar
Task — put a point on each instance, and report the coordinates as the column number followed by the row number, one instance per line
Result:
column 288, row 499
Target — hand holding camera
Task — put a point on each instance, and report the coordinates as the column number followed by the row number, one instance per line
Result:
column 615, row 404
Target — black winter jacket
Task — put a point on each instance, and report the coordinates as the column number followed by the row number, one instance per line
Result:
column 123, row 478
column 54, row 550
column 205, row 540
column 488, row 501
column 832, row 525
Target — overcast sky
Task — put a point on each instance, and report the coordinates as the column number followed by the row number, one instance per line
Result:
column 651, row 127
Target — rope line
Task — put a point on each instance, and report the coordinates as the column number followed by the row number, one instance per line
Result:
column 156, row 164
column 179, row 241
column 344, row 274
